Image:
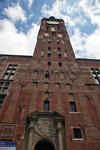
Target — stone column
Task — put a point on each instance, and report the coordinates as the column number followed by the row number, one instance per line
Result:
column 59, row 135
column 30, row 137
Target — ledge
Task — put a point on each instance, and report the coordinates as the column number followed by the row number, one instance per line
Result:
column 77, row 139
column 75, row 112
column 92, row 84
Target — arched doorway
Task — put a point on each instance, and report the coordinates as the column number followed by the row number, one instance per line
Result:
column 44, row 145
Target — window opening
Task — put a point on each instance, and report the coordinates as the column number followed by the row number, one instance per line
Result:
column 73, row 106
column 77, row 133
column 49, row 48
column 60, row 64
column 59, row 55
column 59, row 49
column 47, row 75
column 49, row 54
column 46, row 105
column 49, row 63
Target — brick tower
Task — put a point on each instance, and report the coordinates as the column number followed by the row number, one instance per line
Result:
column 50, row 100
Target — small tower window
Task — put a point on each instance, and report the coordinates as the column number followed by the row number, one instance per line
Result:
column 59, row 49
column 47, row 75
column 49, row 63
column 49, row 54
column 49, row 48
column 46, row 105
column 59, row 55
column 60, row 64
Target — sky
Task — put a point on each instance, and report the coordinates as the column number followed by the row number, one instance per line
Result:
column 20, row 21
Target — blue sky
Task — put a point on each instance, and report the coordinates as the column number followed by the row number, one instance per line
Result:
column 20, row 21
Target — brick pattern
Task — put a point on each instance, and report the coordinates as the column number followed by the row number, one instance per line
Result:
column 24, row 96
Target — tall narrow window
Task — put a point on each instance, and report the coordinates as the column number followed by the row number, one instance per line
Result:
column 96, row 74
column 49, row 48
column 73, row 106
column 46, row 105
column 77, row 133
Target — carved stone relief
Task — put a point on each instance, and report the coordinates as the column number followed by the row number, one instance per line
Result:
column 44, row 128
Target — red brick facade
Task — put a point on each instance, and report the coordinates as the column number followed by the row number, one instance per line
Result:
column 55, row 74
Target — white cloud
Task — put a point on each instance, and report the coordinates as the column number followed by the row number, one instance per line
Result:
column 15, row 13
column 91, row 9
column 14, row 42
column 78, row 39
column 92, row 45
column 30, row 2
column 86, row 45
column 61, row 9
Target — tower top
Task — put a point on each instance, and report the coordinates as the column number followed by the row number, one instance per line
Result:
column 52, row 18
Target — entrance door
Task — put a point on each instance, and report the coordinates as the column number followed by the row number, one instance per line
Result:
column 44, row 145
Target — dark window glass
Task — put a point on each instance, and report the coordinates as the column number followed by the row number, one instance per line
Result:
column 59, row 55
column 59, row 49
column 60, row 64
column 73, row 107
column 77, row 133
column 47, row 74
column 49, row 54
column 46, row 105
column 49, row 48
column 49, row 63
